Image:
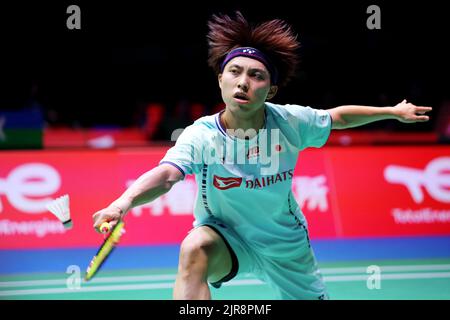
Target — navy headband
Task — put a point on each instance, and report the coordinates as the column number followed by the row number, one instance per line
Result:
column 254, row 54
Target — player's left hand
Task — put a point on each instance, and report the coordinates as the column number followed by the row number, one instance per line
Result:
column 409, row 113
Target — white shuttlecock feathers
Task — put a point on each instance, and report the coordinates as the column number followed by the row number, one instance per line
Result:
column 60, row 208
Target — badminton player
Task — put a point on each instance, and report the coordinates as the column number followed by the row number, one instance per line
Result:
column 243, row 158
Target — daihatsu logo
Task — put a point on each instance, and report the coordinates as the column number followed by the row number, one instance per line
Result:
column 28, row 187
column 435, row 178
column 222, row 183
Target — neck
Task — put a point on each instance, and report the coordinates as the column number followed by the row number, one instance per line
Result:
column 239, row 125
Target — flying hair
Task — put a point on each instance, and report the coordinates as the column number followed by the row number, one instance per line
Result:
column 274, row 38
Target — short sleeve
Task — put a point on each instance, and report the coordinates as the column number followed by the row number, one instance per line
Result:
column 187, row 153
column 313, row 125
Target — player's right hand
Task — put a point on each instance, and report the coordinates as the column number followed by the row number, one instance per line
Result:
column 110, row 214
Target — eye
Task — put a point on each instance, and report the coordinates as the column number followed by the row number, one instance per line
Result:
column 234, row 71
column 259, row 76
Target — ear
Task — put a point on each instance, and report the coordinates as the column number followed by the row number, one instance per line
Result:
column 219, row 78
column 272, row 92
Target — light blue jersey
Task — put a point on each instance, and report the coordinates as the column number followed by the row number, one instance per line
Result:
column 246, row 184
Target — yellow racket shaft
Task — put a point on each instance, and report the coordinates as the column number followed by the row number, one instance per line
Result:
column 106, row 248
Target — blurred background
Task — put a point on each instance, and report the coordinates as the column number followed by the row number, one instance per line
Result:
column 139, row 66
column 86, row 111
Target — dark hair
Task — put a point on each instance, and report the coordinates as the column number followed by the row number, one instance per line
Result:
column 274, row 38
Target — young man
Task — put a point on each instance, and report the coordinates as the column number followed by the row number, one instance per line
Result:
column 246, row 218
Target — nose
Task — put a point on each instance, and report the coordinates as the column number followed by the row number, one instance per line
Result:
column 243, row 83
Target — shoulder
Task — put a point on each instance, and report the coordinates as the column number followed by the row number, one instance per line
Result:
column 299, row 118
column 290, row 112
column 205, row 123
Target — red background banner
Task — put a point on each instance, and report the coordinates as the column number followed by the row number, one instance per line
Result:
column 344, row 192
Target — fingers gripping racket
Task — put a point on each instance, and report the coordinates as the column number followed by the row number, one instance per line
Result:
column 105, row 250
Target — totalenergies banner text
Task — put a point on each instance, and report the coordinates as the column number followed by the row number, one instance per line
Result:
column 344, row 192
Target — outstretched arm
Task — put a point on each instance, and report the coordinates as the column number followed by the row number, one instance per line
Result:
column 146, row 188
column 350, row 116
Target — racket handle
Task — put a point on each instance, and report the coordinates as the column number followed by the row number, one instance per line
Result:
column 104, row 227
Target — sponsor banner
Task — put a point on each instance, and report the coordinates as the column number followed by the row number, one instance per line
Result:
column 344, row 192
column 29, row 180
column 313, row 189
column 392, row 191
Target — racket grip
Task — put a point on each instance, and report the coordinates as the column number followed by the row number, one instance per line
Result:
column 104, row 227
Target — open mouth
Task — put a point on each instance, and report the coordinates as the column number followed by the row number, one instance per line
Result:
column 241, row 96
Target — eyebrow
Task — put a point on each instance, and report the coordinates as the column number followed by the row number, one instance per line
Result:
column 251, row 69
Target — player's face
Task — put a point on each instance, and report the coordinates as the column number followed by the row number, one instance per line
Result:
column 245, row 84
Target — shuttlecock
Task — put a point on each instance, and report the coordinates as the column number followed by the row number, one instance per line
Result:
column 60, row 208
